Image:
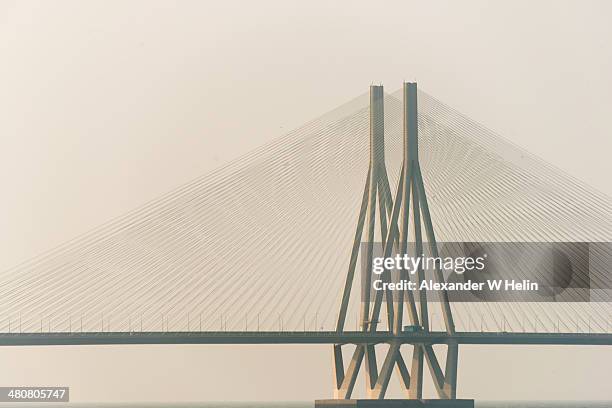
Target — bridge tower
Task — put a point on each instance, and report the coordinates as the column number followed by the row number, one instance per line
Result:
column 407, row 211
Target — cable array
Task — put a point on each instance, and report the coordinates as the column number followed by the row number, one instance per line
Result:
column 263, row 242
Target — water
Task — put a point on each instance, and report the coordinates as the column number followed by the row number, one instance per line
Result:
column 293, row 404
column 544, row 404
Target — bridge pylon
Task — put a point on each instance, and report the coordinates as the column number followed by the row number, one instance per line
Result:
column 408, row 210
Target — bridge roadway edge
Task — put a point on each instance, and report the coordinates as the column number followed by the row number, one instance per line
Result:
column 298, row 337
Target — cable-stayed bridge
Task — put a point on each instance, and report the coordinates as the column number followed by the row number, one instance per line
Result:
column 258, row 251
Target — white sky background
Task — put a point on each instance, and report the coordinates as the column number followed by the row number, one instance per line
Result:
column 105, row 105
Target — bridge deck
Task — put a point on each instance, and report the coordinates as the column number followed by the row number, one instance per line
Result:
column 296, row 337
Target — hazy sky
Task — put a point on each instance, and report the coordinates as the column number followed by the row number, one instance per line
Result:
column 107, row 104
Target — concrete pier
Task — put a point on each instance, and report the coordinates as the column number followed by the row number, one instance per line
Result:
column 396, row 403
